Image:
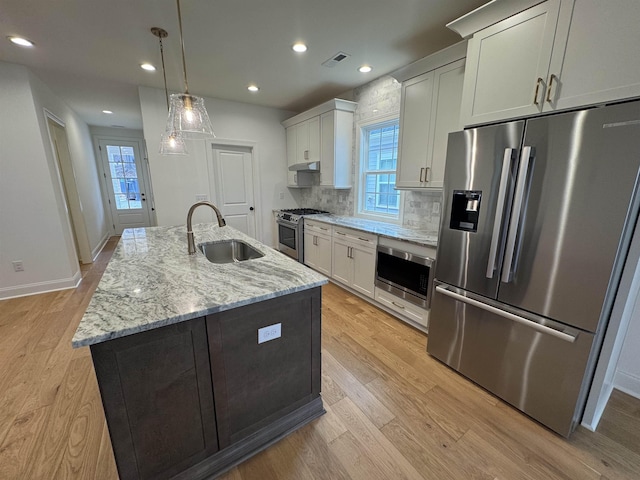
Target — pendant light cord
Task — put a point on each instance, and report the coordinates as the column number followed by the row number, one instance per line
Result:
column 184, row 63
column 162, row 33
column 164, row 74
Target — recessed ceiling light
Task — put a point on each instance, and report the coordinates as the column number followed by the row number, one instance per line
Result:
column 23, row 42
column 253, row 88
column 299, row 47
column 108, row 112
column 365, row 69
column 148, row 67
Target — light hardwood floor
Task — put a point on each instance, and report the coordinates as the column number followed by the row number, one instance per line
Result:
column 393, row 412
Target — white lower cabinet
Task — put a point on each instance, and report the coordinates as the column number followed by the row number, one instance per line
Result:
column 414, row 313
column 349, row 257
column 354, row 259
column 317, row 247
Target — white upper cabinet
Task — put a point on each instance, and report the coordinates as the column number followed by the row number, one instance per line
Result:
column 336, row 131
column 303, row 146
column 321, row 136
column 600, row 62
column 415, row 125
column 508, row 64
column 556, row 55
column 429, row 111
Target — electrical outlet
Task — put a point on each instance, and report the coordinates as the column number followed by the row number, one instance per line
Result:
column 435, row 209
column 281, row 195
column 18, row 266
column 271, row 332
column 202, row 197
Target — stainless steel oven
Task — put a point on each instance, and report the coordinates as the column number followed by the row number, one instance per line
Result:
column 405, row 275
column 291, row 230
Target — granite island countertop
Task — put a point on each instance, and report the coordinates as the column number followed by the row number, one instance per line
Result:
column 389, row 230
column 151, row 282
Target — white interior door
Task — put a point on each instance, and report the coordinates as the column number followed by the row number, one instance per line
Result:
column 126, row 184
column 231, row 185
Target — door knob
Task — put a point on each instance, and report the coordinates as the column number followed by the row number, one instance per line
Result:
column 251, row 208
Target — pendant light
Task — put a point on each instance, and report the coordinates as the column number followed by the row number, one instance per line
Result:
column 187, row 113
column 171, row 141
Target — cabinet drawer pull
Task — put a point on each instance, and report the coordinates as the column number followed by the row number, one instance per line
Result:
column 322, row 228
column 364, row 239
column 398, row 305
column 426, row 174
column 421, row 175
column 535, row 95
column 551, row 78
column 340, row 233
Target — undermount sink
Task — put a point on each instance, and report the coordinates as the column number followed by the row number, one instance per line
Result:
column 228, row 251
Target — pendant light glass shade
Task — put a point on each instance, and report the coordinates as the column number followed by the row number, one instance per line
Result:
column 172, row 143
column 188, row 115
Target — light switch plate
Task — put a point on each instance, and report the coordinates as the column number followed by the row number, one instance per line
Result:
column 266, row 334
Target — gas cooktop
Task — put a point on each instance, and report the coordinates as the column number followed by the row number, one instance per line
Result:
column 303, row 211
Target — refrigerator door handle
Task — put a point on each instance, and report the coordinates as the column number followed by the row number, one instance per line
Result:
column 515, row 226
column 501, row 202
column 508, row 315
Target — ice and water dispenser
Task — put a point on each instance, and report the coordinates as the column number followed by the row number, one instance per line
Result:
column 465, row 210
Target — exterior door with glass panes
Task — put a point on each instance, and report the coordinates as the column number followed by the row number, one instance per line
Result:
column 126, row 184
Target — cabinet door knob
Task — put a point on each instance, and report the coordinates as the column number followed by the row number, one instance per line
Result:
column 426, row 174
column 535, row 95
column 421, row 175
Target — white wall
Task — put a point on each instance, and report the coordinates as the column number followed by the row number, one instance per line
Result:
column 176, row 179
column 92, row 223
column 34, row 223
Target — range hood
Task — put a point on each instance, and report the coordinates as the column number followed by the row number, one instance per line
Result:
column 305, row 167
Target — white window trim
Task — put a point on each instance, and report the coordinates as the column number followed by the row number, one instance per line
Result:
column 359, row 193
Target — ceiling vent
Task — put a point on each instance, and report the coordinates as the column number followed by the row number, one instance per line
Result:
column 337, row 58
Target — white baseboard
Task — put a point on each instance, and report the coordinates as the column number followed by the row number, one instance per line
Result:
column 40, row 287
column 96, row 251
column 627, row 383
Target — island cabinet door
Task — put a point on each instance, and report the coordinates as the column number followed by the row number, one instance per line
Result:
column 158, row 400
column 265, row 362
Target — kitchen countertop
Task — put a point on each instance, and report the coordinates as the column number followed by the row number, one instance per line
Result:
column 389, row 230
column 151, row 282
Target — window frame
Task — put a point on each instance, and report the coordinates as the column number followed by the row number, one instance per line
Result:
column 361, row 170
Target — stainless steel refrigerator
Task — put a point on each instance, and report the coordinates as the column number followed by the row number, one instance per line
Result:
column 536, row 224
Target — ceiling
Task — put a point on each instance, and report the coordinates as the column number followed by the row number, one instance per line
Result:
column 89, row 51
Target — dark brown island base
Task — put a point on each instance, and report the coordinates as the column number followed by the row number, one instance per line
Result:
column 193, row 399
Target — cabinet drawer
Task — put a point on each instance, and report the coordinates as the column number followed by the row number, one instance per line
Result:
column 317, row 227
column 355, row 236
column 404, row 308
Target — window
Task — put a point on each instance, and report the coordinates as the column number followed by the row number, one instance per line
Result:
column 379, row 158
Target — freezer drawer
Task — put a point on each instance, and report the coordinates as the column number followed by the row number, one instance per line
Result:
column 534, row 364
